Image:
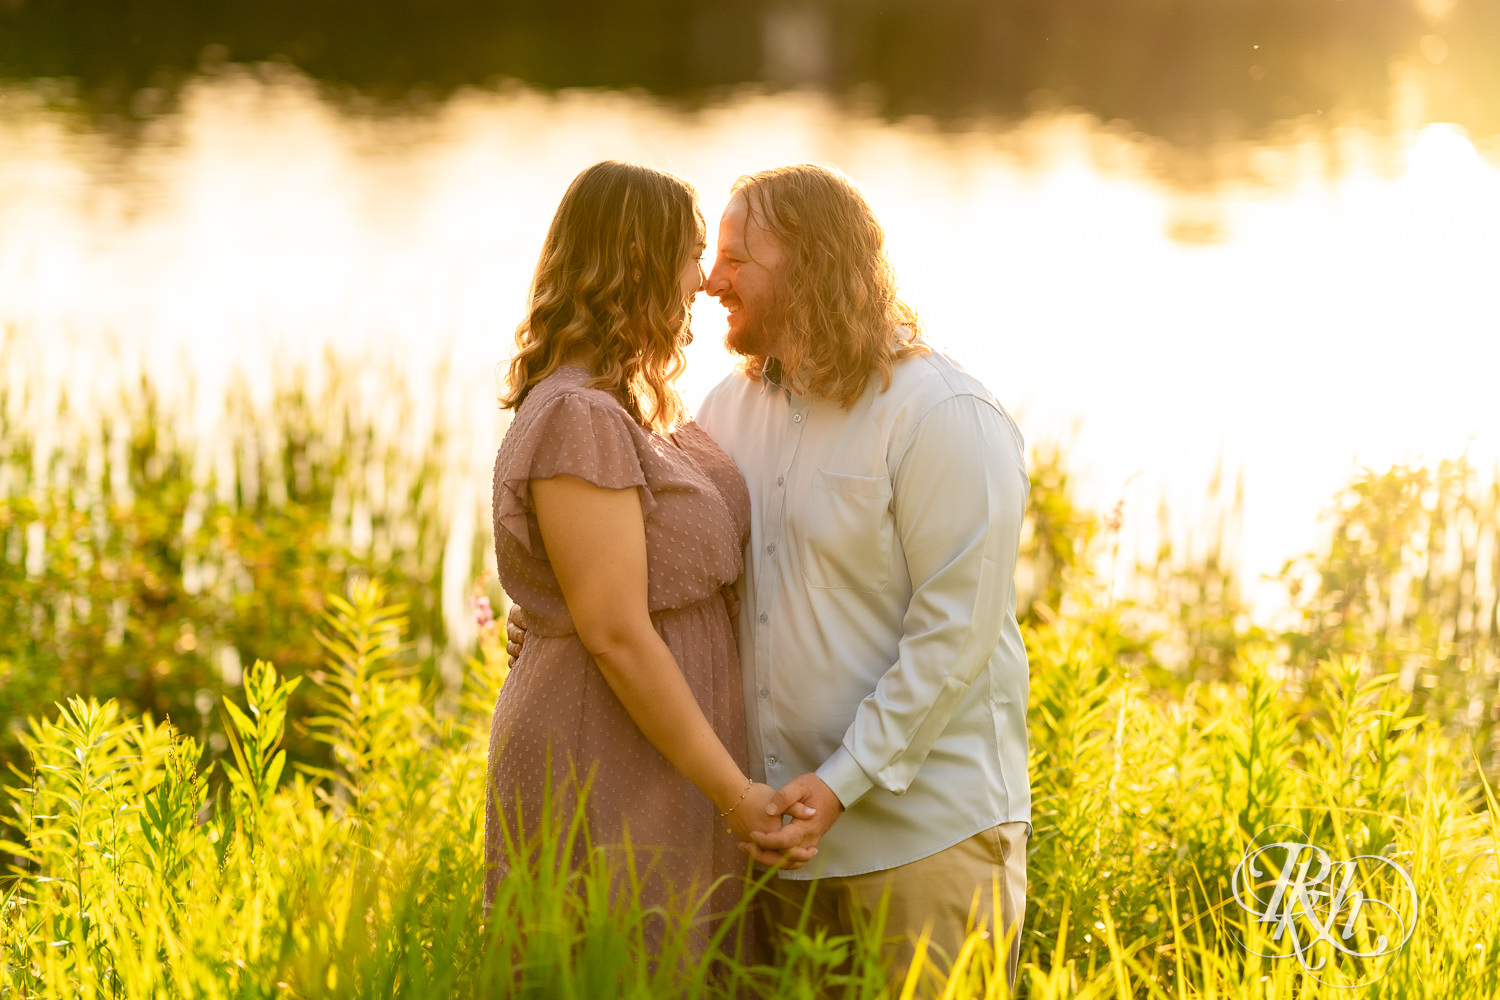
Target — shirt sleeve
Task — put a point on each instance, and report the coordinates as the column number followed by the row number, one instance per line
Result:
column 958, row 495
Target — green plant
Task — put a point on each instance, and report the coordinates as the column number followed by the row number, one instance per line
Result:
column 255, row 740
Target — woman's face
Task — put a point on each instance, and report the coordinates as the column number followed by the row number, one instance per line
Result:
column 692, row 276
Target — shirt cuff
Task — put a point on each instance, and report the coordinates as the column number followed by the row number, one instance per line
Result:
column 844, row 777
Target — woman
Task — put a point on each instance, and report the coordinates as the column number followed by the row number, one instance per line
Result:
column 616, row 529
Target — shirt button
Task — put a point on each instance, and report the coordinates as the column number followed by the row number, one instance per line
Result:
column 770, row 761
column 780, row 480
column 764, row 693
column 796, row 418
column 771, row 549
column 764, row 618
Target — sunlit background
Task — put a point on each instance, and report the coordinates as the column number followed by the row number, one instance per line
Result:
column 1222, row 256
column 1234, row 265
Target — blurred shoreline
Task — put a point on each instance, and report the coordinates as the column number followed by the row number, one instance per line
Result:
column 1165, row 335
column 1193, row 75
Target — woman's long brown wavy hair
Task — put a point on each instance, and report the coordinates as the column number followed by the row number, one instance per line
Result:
column 609, row 281
column 841, row 322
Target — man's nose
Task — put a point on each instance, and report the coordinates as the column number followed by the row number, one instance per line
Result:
column 717, row 283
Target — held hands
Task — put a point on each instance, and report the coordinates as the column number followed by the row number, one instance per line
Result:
column 813, row 808
column 757, row 819
column 753, row 818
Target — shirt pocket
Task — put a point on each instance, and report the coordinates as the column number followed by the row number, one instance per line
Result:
column 847, row 532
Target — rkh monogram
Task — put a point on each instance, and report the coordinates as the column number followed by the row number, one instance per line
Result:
column 1319, row 909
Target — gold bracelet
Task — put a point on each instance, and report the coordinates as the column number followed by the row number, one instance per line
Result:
column 726, row 812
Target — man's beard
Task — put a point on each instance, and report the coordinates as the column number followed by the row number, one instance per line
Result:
column 759, row 338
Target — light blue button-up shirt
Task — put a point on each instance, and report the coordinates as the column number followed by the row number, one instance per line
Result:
column 878, row 635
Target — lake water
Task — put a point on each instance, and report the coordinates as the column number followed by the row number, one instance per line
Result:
column 1288, row 309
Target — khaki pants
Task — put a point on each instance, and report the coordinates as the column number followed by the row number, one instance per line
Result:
column 937, row 891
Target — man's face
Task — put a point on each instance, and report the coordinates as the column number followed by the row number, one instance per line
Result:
column 747, row 281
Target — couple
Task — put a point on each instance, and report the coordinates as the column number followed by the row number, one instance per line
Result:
column 852, row 496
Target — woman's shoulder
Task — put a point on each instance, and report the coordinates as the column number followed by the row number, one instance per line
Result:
column 564, row 389
column 563, row 428
column 560, row 413
column 568, row 380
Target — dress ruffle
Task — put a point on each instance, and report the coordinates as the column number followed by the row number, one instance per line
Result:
column 576, row 432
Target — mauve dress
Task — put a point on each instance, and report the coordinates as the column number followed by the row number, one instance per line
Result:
column 697, row 514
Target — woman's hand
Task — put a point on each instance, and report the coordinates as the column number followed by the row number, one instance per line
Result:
column 813, row 807
column 749, row 819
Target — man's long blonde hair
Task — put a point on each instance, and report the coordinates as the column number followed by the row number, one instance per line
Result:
column 609, row 280
column 841, row 322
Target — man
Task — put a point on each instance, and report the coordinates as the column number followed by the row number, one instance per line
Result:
column 885, row 675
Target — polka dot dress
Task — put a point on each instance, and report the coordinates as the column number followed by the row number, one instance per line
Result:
column 557, row 724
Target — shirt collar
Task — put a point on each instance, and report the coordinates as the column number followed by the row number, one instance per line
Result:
column 771, row 374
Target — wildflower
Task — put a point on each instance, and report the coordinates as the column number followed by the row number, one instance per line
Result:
column 1116, row 517
column 484, row 615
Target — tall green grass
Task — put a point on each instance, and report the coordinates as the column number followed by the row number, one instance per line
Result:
column 365, row 879
column 145, row 562
column 175, row 825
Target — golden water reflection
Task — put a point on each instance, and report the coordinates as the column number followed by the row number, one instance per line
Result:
column 1334, row 303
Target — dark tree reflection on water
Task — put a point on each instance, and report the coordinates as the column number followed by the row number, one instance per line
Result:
column 1190, row 72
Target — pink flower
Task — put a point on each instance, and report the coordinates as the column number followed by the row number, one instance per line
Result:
column 1116, row 517
column 484, row 615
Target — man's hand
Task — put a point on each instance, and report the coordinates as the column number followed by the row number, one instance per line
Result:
column 754, row 810
column 752, row 817
column 515, row 631
column 731, row 601
column 813, row 808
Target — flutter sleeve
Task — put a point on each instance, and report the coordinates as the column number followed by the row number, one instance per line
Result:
column 581, row 434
